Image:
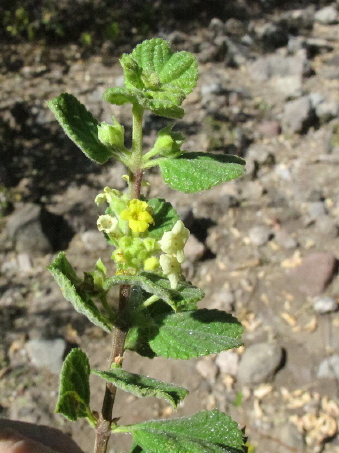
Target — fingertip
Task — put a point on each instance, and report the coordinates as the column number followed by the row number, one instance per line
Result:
column 13, row 442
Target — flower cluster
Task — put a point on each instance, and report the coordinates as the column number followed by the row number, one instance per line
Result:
column 126, row 224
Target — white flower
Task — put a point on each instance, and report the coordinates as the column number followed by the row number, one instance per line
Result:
column 107, row 223
column 173, row 242
column 171, row 268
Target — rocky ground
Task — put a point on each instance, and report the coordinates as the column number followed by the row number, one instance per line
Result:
column 264, row 247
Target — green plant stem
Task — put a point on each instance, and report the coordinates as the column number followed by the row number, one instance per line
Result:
column 135, row 174
column 103, row 428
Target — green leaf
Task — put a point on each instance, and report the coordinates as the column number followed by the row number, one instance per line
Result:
column 71, row 288
column 156, row 78
column 164, row 215
column 74, row 390
column 158, row 104
column 204, row 432
column 175, row 70
column 193, row 172
column 195, row 333
column 80, row 126
column 180, row 298
column 143, row 386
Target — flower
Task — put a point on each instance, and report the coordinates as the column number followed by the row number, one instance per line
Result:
column 108, row 195
column 171, row 268
column 108, row 224
column 137, row 215
column 173, row 242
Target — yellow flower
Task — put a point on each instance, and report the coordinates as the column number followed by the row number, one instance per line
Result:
column 137, row 215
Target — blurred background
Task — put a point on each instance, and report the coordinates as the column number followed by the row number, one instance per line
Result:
column 264, row 247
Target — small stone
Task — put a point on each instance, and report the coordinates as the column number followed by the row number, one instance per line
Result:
column 194, row 249
column 327, row 226
column 37, row 231
column 298, row 115
column 228, row 362
column 207, row 369
column 327, row 15
column 259, row 363
column 291, row 439
column 264, row 68
column 47, row 353
column 314, row 273
column 269, row 128
column 223, row 300
column 329, row 367
column 94, row 240
column 327, row 110
column 285, row 240
column 316, row 209
column 24, row 262
column 290, row 86
column 259, row 235
column 325, row 304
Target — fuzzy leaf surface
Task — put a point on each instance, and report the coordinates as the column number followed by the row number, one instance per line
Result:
column 204, row 432
column 74, row 390
column 164, row 215
column 194, row 172
column 80, row 126
column 195, row 333
column 156, row 78
column 143, row 386
column 70, row 285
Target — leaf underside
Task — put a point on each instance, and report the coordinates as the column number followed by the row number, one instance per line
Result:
column 80, row 126
column 74, row 390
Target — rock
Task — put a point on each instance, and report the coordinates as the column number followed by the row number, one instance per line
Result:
column 37, row 231
column 259, row 363
column 299, row 19
column 194, row 249
column 47, row 353
column 269, row 128
column 284, row 239
column 273, row 36
column 327, row 15
column 314, row 273
column 327, row 110
column 24, row 262
column 235, row 27
column 291, row 439
column 94, row 240
column 290, row 86
column 207, row 368
column 228, row 362
column 217, row 27
column 259, row 235
column 325, row 304
column 298, row 115
column 277, row 65
column 316, row 209
column 329, row 367
column 326, row 226
column 223, row 300
column 214, row 87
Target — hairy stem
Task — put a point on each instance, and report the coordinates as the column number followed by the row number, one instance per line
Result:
column 103, row 428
